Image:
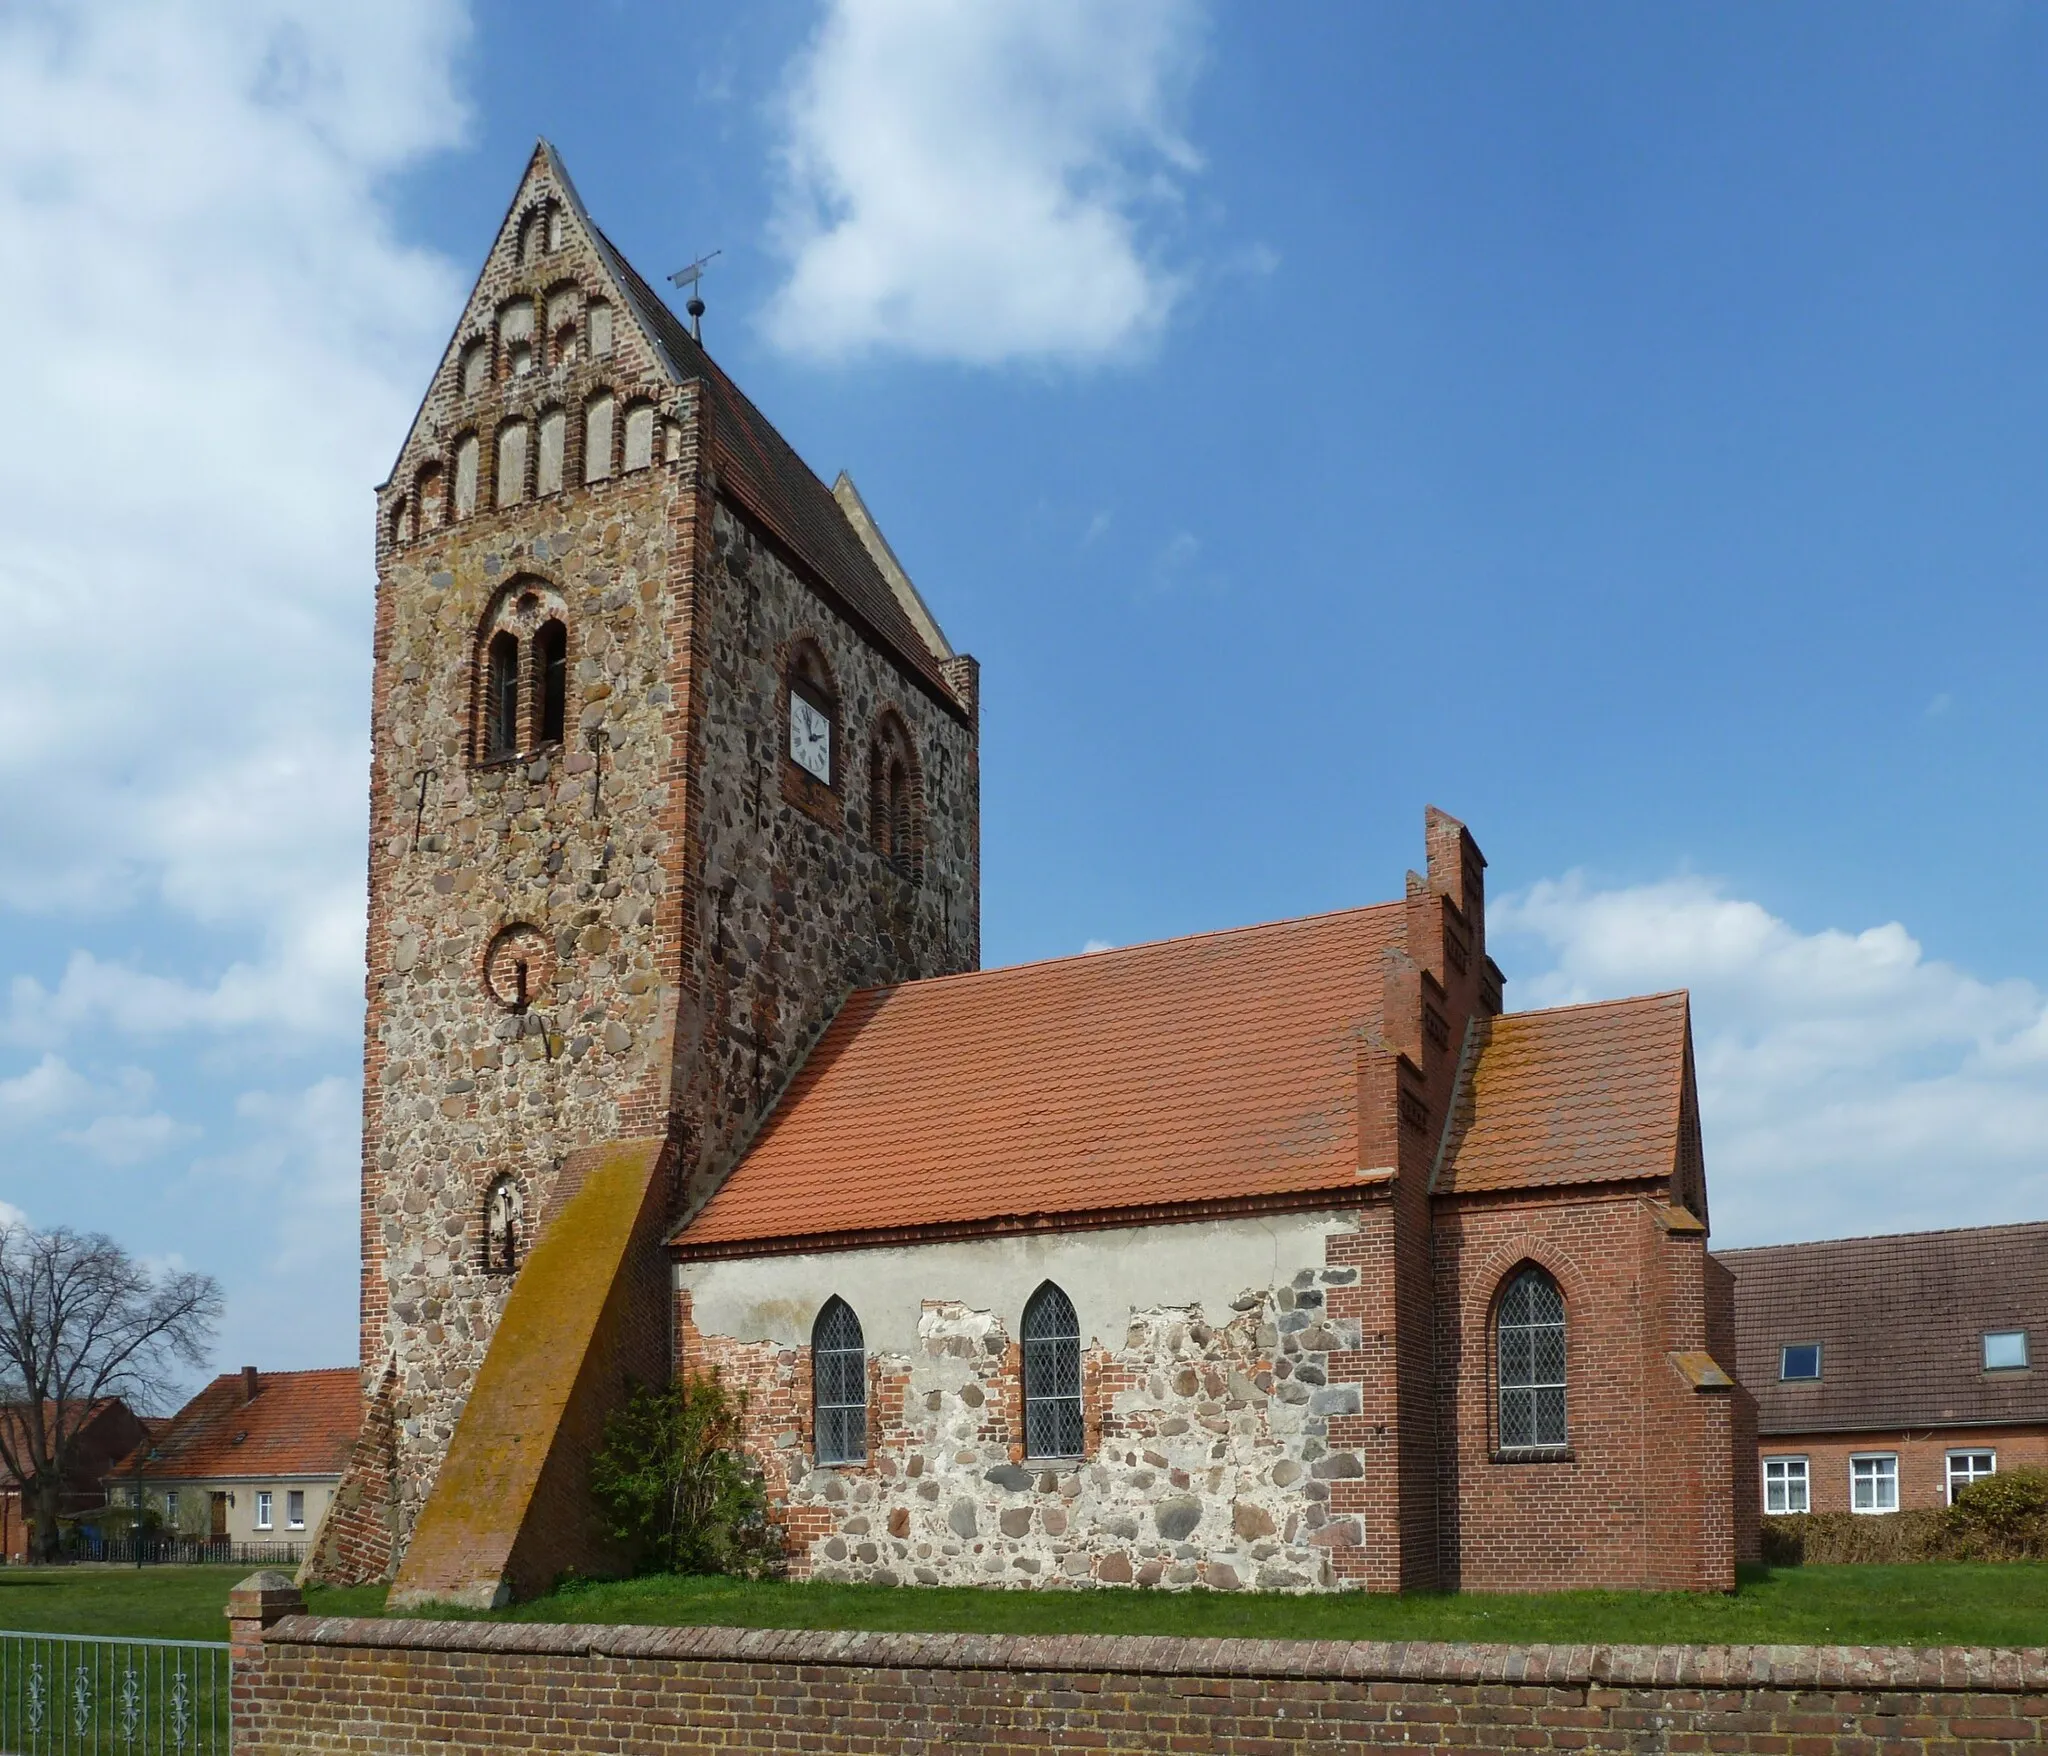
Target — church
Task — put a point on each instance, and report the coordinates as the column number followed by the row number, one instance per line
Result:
column 1277, row 1258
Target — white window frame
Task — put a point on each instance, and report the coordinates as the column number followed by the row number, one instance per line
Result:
column 1786, row 1478
column 1877, row 1478
column 2018, row 1365
column 1819, row 1362
column 170, row 1506
column 264, row 1498
column 295, row 1509
column 1967, row 1451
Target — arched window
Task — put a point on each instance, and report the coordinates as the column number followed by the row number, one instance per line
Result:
column 1052, row 1376
column 600, row 328
column 893, row 796
column 400, row 525
column 1531, row 1356
column 515, row 336
column 554, row 439
column 639, row 436
column 597, row 437
column 839, row 1384
column 476, row 367
column 501, row 702
column 550, row 680
column 465, row 475
column 504, row 1208
column 562, row 305
column 430, row 492
column 511, row 486
column 813, row 714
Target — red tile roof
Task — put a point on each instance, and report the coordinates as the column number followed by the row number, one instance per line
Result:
column 298, row 1424
column 1194, row 1070
column 1900, row 1321
column 1576, row 1094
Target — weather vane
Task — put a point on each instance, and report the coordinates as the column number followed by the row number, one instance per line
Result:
column 689, row 277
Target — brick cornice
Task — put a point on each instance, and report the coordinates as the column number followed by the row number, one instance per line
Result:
column 1919, row 1669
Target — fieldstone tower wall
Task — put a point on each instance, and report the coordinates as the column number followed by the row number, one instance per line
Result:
column 605, row 904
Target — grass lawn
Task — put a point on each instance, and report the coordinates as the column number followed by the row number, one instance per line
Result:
column 1927, row 1605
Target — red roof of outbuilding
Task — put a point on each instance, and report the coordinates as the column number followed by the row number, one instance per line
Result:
column 297, row 1424
column 1213, row 1068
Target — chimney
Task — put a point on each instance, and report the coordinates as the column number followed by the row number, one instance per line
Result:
column 250, row 1384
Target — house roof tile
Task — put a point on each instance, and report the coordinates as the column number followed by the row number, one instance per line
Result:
column 1573, row 1094
column 1214, row 1068
column 1900, row 1321
column 297, row 1424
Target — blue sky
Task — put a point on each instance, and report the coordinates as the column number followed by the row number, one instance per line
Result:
column 1623, row 426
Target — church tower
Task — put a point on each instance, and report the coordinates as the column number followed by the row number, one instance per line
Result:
column 668, row 755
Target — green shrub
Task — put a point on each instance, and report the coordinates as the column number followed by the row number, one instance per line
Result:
column 679, row 1486
column 2002, row 1517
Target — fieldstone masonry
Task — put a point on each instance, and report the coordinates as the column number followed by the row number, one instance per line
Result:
column 636, row 928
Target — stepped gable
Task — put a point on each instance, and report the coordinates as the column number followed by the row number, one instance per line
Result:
column 761, row 470
column 1901, row 1322
column 1572, row 1095
column 296, row 1423
column 1218, row 1068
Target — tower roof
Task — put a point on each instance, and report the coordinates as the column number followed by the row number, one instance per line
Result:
column 761, row 471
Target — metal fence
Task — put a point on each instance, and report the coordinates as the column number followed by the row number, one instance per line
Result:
column 191, row 1552
column 90, row 1695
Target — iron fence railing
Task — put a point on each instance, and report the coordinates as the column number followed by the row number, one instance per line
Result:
column 92, row 1695
column 183, row 1552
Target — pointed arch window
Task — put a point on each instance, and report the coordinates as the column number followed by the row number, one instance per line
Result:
column 504, row 1209
column 1053, row 1426
column 1531, row 1363
column 839, row 1384
column 894, row 820
column 550, row 680
column 501, row 704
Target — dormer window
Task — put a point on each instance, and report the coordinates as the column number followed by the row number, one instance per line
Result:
column 1799, row 1363
column 2005, row 1350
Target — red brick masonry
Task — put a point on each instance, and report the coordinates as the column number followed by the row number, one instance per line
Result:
column 308, row 1684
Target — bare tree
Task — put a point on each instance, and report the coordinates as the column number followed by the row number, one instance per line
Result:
column 82, row 1322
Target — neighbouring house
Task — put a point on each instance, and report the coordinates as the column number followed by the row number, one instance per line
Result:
column 1890, row 1372
column 109, row 1432
column 1281, row 1255
column 254, row 1458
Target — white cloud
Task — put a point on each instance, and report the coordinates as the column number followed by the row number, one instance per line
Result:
column 129, row 1140
column 228, row 344
column 979, row 180
column 1848, row 1082
column 1094, row 945
column 49, row 1088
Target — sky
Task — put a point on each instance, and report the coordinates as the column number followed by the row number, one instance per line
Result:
column 1621, row 426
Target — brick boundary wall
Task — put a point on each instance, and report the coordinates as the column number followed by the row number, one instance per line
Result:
column 305, row 1684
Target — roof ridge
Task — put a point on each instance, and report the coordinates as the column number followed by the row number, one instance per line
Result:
column 1121, row 951
column 2018, row 1225
column 1597, row 1005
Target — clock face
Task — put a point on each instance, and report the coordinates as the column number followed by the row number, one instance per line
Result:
column 810, row 739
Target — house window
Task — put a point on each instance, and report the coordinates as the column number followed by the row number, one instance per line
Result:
column 1052, row 1376
column 1965, row 1467
column 1874, row 1482
column 839, row 1384
column 501, row 705
column 263, row 1499
column 1799, row 1363
column 1785, row 1486
column 170, row 1506
column 550, row 680
column 1531, row 1332
column 295, row 1509
column 2005, row 1350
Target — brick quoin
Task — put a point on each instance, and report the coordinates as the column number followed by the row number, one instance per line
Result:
column 312, row 1687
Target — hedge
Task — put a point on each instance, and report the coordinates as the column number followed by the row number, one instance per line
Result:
column 2001, row 1518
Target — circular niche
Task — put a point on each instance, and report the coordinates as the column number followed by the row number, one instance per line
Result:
column 518, row 966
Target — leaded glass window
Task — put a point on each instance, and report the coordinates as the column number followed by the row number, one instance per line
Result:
column 501, row 704
column 839, row 1384
column 1052, row 1376
column 1532, row 1364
